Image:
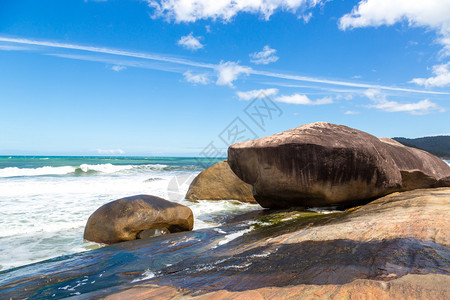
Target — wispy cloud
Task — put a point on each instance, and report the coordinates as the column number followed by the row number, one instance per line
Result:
column 193, row 10
column 341, row 83
column 149, row 56
column 227, row 71
column 351, row 112
column 110, row 151
column 201, row 78
column 416, row 108
column 250, row 95
column 441, row 78
column 431, row 14
column 264, row 57
column 118, row 68
column 12, row 48
column 147, row 64
column 306, row 17
column 303, row 100
column 190, row 42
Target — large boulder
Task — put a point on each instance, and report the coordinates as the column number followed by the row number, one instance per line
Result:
column 137, row 217
column 323, row 164
column 218, row 182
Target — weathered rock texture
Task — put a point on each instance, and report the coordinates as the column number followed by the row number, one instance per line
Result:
column 323, row 164
column 218, row 182
column 132, row 217
column 430, row 286
column 396, row 247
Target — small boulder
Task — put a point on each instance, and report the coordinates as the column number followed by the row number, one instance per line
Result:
column 134, row 217
column 218, row 182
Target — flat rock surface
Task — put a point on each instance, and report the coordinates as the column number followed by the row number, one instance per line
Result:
column 394, row 247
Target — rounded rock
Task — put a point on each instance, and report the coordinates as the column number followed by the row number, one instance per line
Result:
column 124, row 219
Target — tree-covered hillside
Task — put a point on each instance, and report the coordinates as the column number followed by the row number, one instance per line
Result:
column 437, row 145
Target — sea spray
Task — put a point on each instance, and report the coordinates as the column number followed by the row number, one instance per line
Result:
column 45, row 203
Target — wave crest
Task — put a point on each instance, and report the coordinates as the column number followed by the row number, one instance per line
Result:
column 86, row 169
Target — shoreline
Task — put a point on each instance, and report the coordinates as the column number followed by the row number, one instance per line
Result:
column 193, row 263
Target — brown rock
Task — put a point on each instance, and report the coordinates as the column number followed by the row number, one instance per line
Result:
column 421, row 214
column 419, row 169
column 411, row 286
column 396, row 247
column 323, row 164
column 218, row 182
column 132, row 217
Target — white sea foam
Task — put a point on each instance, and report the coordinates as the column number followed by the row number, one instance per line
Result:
column 14, row 171
column 65, row 170
column 44, row 216
column 104, row 168
column 323, row 210
column 148, row 274
column 232, row 236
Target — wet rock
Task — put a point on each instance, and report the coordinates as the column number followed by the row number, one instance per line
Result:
column 218, row 182
column 134, row 217
column 148, row 233
column 323, row 164
column 396, row 247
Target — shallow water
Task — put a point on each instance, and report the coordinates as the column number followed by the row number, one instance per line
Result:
column 46, row 201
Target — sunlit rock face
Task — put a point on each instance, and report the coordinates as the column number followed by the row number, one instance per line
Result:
column 135, row 217
column 218, row 182
column 323, row 164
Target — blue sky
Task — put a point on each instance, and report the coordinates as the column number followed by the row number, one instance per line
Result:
column 177, row 77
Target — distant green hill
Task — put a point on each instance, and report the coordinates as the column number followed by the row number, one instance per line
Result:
column 437, row 145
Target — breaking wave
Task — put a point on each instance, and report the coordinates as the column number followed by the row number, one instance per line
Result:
column 86, row 169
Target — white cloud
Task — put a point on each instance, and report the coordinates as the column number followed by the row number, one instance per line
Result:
column 93, row 49
column 303, row 99
column 190, row 42
column 110, row 151
column 417, row 108
column 201, row 78
column 431, row 14
column 229, row 71
column 12, row 48
column 351, row 112
column 193, row 10
column 118, row 68
column 250, row 95
column 168, row 59
column 264, row 57
column 441, row 78
column 345, row 96
column 306, row 17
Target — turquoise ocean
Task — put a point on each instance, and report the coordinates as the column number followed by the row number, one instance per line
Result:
column 46, row 200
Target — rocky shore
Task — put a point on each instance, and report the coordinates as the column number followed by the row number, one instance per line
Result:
column 396, row 246
column 387, row 237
